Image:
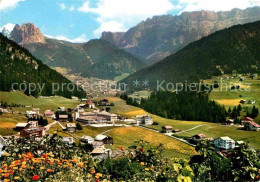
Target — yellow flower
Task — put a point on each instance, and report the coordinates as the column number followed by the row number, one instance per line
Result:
column 80, row 164
column 16, row 177
column 42, row 168
column 6, row 154
column 142, row 163
column 15, row 168
column 147, row 169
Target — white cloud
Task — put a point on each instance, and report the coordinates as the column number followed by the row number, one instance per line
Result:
column 8, row 26
column 62, row 6
column 119, row 15
column 80, row 39
column 5, row 4
column 216, row 5
column 72, row 8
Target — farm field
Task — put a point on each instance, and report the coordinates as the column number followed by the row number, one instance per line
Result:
column 126, row 136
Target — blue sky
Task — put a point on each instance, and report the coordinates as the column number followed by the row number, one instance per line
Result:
column 81, row 20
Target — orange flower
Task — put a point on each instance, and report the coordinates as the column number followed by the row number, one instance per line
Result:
column 91, row 171
column 142, row 150
column 74, row 161
column 6, row 180
column 32, row 168
column 35, row 177
column 29, row 155
column 122, row 149
column 80, row 164
column 50, row 162
column 49, row 170
column 6, row 175
column 45, row 156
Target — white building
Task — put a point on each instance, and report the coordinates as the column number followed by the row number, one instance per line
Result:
column 68, row 140
column 224, row 143
column 109, row 116
column 144, row 119
column 87, row 139
column 30, row 114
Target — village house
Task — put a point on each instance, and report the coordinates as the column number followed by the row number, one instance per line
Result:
column 63, row 117
column 91, row 105
column 61, row 108
column 98, row 144
column 71, row 127
column 228, row 122
column 105, row 139
column 84, row 100
column 36, row 110
column 144, row 119
column 130, row 121
column 247, row 120
column 224, row 143
column 76, row 115
column 197, row 138
column 108, row 116
column 68, row 140
column 243, row 101
column 176, row 131
column 31, row 114
column 252, row 126
column 32, row 124
column 167, row 129
column 32, row 132
column 103, row 102
column 75, row 98
column 92, row 120
column 20, row 126
column 87, row 139
column 49, row 113
column 251, row 101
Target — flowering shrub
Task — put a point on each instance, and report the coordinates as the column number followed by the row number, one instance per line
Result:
column 239, row 164
column 29, row 168
column 144, row 163
column 136, row 164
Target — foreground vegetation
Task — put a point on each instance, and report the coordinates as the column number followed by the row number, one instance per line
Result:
column 50, row 159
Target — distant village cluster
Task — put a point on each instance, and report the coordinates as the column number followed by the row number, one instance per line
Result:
column 64, row 117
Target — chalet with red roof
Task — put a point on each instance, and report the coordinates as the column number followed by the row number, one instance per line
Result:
column 167, row 129
column 252, row 126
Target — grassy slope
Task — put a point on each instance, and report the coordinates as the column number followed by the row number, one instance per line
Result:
column 209, row 129
column 8, row 122
column 43, row 103
column 126, row 136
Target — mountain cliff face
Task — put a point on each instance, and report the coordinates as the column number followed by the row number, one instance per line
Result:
column 161, row 36
column 17, row 65
column 26, row 34
column 97, row 58
column 234, row 49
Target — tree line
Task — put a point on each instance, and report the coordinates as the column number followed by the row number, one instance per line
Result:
column 189, row 106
